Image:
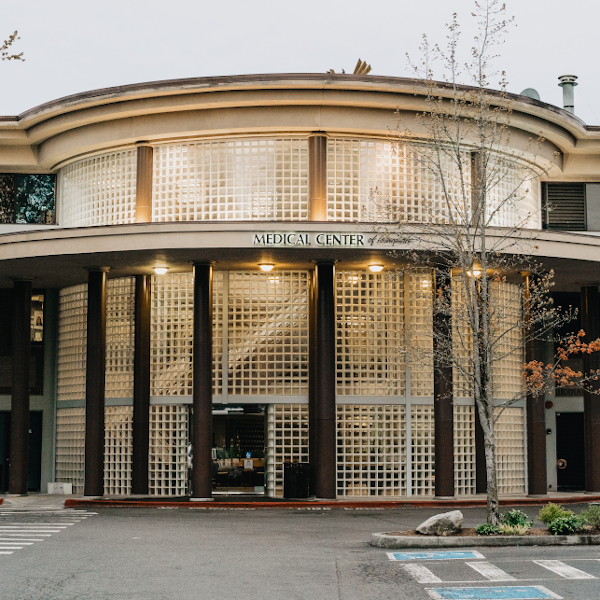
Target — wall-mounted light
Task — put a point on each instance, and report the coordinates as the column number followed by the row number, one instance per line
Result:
column 376, row 268
column 160, row 270
column 266, row 267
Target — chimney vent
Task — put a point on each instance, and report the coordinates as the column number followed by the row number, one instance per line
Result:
column 568, row 83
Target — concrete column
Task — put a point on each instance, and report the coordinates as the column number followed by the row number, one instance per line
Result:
column 95, row 383
column 141, row 386
column 19, row 410
column 537, row 481
column 317, row 177
column 480, row 472
column 202, row 383
column 591, row 404
column 323, row 455
column 143, row 188
column 443, row 392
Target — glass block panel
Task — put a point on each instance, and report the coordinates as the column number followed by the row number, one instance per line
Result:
column 377, row 180
column 370, row 333
column 371, row 451
column 72, row 340
column 287, row 441
column 420, row 327
column 462, row 343
column 423, row 450
column 167, row 469
column 510, row 452
column 172, row 335
column 263, row 179
column 99, row 190
column 513, row 197
column 118, row 439
column 70, row 447
column 268, row 333
column 507, row 330
column 464, row 449
column 120, row 342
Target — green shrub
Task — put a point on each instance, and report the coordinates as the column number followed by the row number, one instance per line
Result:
column 566, row 525
column 516, row 517
column 592, row 515
column 487, row 529
column 552, row 511
column 508, row 529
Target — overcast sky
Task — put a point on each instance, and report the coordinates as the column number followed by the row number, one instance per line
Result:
column 72, row 45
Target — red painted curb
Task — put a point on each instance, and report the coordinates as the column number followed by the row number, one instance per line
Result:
column 1, row 501
column 74, row 502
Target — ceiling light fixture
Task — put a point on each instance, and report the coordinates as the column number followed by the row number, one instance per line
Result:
column 376, row 268
column 266, row 267
column 160, row 270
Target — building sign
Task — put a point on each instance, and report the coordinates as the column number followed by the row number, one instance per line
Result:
column 285, row 238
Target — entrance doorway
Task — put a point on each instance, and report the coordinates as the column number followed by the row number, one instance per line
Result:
column 35, row 451
column 570, row 453
column 238, row 449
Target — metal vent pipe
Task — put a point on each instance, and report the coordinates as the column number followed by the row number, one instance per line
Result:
column 568, row 83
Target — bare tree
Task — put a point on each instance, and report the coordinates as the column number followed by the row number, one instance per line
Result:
column 480, row 228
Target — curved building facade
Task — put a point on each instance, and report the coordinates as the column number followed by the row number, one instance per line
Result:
column 150, row 350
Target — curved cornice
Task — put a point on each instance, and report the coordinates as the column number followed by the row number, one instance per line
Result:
column 64, row 128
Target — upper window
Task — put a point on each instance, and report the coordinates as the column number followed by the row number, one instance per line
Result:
column 27, row 198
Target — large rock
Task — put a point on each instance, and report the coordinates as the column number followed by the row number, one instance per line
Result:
column 442, row 524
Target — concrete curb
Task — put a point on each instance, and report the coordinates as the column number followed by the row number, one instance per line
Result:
column 392, row 542
column 362, row 504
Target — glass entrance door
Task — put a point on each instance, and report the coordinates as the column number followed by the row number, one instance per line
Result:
column 239, row 449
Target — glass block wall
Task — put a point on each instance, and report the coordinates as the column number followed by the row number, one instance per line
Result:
column 242, row 180
column 268, row 333
column 287, row 441
column 371, row 453
column 510, row 457
column 464, row 450
column 72, row 336
column 99, row 190
column 370, row 333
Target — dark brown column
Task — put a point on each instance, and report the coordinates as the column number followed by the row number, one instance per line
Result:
column 95, row 383
column 202, row 383
column 317, row 177
column 536, row 412
column 143, row 192
column 443, row 392
column 591, row 401
column 323, row 455
column 480, row 472
column 141, row 386
column 19, row 409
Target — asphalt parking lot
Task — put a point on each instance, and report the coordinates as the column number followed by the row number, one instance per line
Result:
column 274, row 554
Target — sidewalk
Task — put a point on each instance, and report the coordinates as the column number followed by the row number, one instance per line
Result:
column 53, row 502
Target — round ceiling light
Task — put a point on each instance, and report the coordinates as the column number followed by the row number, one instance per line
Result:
column 376, row 268
column 160, row 270
column 266, row 267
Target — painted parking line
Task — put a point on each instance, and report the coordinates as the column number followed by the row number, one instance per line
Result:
column 566, row 571
column 490, row 571
column 421, row 573
column 434, row 555
column 533, row 592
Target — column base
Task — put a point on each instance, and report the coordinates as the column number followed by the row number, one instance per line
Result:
column 445, row 497
column 537, row 495
column 202, row 499
column 9, row 495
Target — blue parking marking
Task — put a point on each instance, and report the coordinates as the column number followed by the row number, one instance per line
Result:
column 453, row 555
column 533, row 592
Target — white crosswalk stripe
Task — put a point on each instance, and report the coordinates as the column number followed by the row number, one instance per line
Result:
column 564, row 570
column 21, row 528
column 490, row 571
column 421, row 573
